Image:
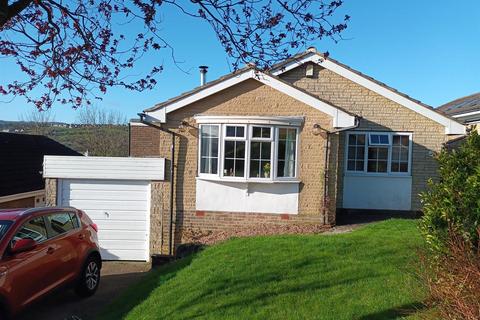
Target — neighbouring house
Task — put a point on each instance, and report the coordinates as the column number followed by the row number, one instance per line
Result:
column 465, row 110
column 21, row 159
column 292, row 146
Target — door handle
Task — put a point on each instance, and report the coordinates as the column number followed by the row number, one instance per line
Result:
column 3, row 271
column 50, row 250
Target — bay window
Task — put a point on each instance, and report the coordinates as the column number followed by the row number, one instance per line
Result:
column 378, row 153
column 257, row 152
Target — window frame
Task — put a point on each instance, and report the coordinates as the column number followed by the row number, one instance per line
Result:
column 273, row 160
column 277, row 140
column 248, row 138
column 222, row 152
column 389, row 172
column 199, row 152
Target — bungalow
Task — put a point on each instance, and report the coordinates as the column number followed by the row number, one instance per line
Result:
column 291, row 146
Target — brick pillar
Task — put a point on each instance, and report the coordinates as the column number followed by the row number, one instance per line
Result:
column 50, row 192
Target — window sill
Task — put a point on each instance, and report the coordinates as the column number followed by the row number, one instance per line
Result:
column 248, row 181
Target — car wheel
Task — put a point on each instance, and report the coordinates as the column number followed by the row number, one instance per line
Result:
column 89, row 278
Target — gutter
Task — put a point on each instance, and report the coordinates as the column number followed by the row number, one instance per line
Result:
column 172, row 175
column 326, row 164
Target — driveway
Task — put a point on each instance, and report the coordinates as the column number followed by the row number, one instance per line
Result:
column 116, row 277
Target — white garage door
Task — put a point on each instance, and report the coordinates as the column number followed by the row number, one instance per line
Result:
column 119, row 208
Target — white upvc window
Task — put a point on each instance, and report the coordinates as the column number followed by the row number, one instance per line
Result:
column 234, row 151
column 209, row 149
column 248, row 152
column 261, row 152
column 379, row 153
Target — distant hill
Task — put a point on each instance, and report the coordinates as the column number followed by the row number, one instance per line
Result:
column 99, row 140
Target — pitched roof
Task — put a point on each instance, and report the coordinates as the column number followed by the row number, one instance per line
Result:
column 341, row 118
column 462, row 105
column 22, row 159
column 452, row 126
column 311, row 55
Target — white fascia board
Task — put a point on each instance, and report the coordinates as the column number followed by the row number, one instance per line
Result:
column 287, row 121
column 466, row 114
column 451, row 126
column 340, row 118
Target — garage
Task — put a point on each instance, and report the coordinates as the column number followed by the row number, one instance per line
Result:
column 115, row 193
column 119, row 208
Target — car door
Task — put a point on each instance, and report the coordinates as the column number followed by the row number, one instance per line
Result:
column 31, row 273
column 64, row 237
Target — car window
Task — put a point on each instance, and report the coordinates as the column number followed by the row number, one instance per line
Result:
column 4, row 225
column 34, row 229
column 60, row 223
column 74, row 218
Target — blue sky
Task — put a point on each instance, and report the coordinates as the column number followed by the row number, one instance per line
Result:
column 428, row 49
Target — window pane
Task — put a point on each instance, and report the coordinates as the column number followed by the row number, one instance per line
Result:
column 286, row 152
column 266, row 150
column 360, row 152
column 360, row 139
column 395, row 167
column 60, row 223
column 404, row 167
column 234, row 163
column 265, row 169
column 255, row 150
column 209, row 140
column 239, row 168
column 229, row 167
column 396, row 140
column 230, row 131
column 372, row 166
column 257, row 132
column 359, row 165
column 405, row 141
column 229, row 149
column 382, row 166
column 352, row 139
column 34, row 229
column 240, row 132
column 255, row 168
column 395, row 153
column 383, row 153
column 384, row 139
column 351, row 165
column 351, row 153
column 261, row 132
column 266, row 132
column 239, row 149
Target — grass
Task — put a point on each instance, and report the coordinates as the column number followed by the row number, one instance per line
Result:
column 366, row 274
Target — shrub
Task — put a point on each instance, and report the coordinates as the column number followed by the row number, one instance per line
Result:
column 453, row 202
column 453, row 280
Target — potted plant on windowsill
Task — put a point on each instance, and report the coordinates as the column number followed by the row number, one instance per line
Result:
column 266, row 170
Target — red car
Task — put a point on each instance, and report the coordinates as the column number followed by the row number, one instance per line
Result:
column 43, row 249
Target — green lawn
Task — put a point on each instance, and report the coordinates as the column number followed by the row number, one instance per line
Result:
column 366, row 274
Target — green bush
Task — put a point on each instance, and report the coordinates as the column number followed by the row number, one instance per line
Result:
column 452, row 204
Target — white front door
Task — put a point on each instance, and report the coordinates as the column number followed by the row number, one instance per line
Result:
column 121, row 210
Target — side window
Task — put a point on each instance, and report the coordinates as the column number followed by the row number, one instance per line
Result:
column 75, row 221
column 34, row 229
column 60, row 223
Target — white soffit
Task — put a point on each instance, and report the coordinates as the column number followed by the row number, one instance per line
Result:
column 341, row 119
column 451, row 126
